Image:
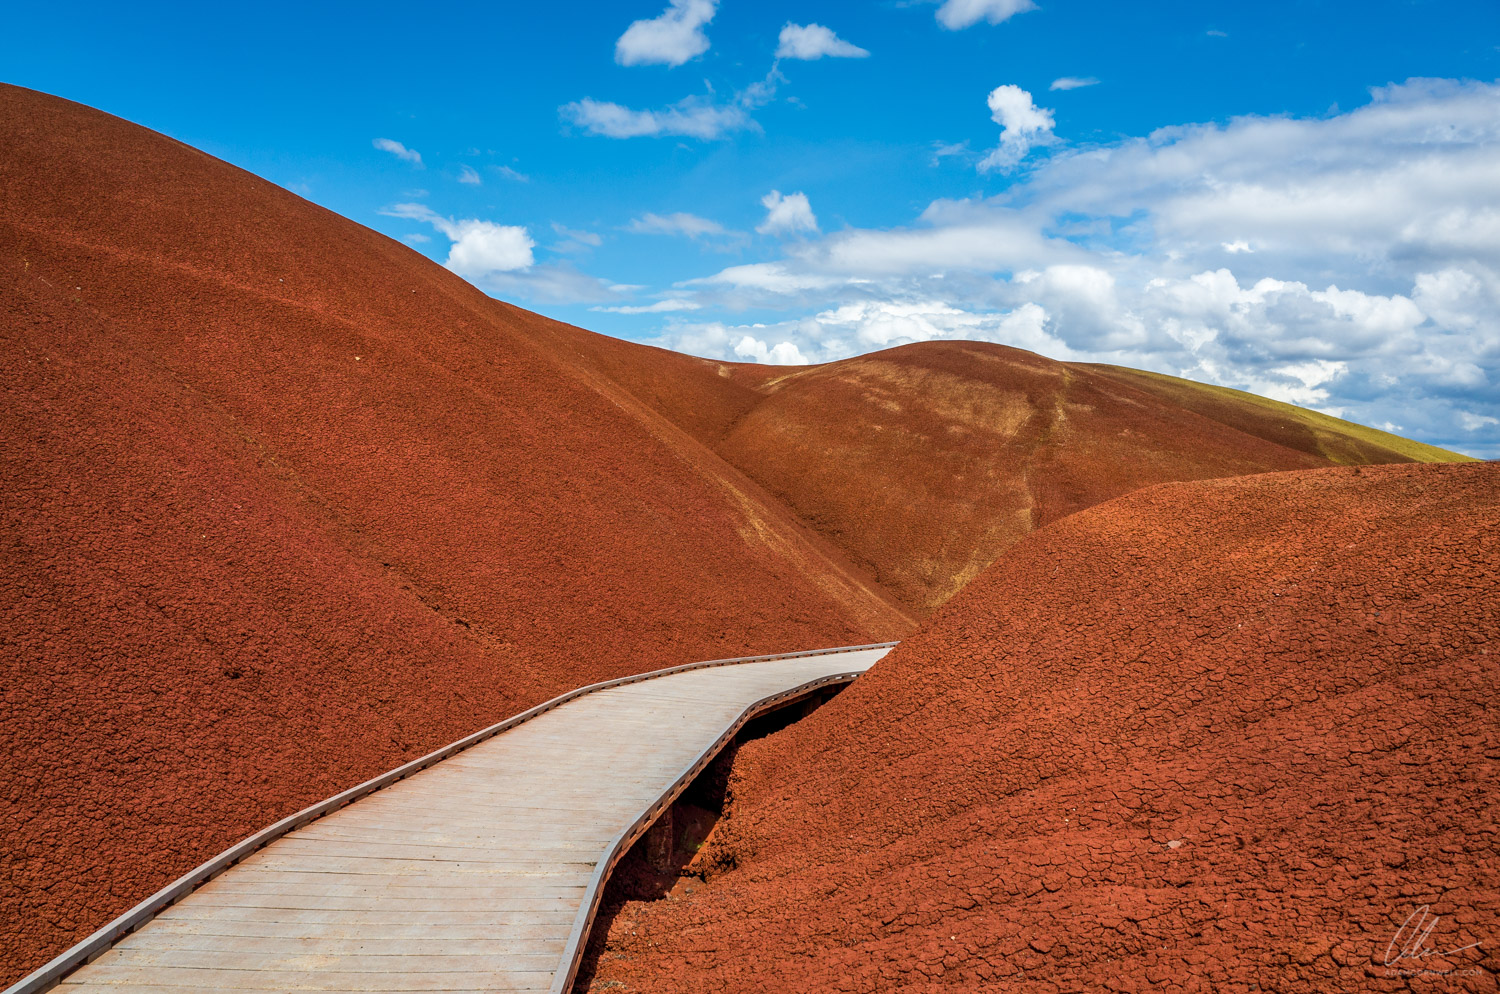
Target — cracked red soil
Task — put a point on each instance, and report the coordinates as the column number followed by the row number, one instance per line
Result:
column 1220, row 736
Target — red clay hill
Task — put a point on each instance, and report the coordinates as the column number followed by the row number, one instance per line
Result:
column 285, row 504
column 1220, row 736
column 924, row 462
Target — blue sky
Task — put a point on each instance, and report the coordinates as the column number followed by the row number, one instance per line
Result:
column 1301, row 199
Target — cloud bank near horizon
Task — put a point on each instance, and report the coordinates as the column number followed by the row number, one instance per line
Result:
column 1348, row 263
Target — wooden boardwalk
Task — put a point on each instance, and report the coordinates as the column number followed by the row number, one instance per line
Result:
column 481, row 872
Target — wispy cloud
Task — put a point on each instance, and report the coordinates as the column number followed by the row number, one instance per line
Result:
column 671, row 38
column 1469, row 421
column 669, row 305
column 813, row 41
column 399, row 150
column 955, row 15
column 467, row 174
column 680, row 223
column 574, row 240
column 1073, row 82
column 948, row 150
column 694, row 117
column 553, row 283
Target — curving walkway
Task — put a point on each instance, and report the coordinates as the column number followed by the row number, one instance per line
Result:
column 481, row 872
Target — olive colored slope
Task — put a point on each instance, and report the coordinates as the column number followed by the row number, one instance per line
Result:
column 1341, row 442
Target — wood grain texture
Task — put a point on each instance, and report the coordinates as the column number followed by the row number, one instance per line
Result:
column 470, row 875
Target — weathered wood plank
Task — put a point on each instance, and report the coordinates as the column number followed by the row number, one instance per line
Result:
column 514, row 931
column 558, row 898
column 471, row 875
column 490, row 917
column 106, row 976
column 497, row 891
column 290, row 960
column 322, row 945
column 488, row 852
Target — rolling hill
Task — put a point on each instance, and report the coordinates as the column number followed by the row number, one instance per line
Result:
column 1209, row 736
column 923, row 463
column 285, row 504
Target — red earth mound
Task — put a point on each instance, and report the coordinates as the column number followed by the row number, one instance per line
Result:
column 948, row 453
column 1219, row 736
column 285, row 504
column 925, row 462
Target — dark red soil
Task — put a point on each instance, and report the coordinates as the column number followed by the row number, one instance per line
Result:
column 283, row 504
column 1219, row 736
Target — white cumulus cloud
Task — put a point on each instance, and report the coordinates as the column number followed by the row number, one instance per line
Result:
column 399, row 150
column 671, row 38
column 955, row 15
column 780, row 354
column 1348, row 262
column 788, row 214
column 1022, row 125
column 499, row 259
column 813, row 41
column 862, row 326
column 480, row 248
column 483, row 247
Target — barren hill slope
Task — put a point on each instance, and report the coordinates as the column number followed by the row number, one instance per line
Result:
column 1217, row 736
column 283, row 504
column 925, row 462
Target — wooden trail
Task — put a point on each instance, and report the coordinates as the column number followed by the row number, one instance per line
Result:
column 481, row 872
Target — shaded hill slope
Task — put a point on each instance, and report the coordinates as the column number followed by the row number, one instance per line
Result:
column 1218, row 736
column 285, row 504
column 925, row 462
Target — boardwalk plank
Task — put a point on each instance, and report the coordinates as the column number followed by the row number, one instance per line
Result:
column 471, row 875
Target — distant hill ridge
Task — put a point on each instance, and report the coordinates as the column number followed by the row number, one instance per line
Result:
column 925, row 462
